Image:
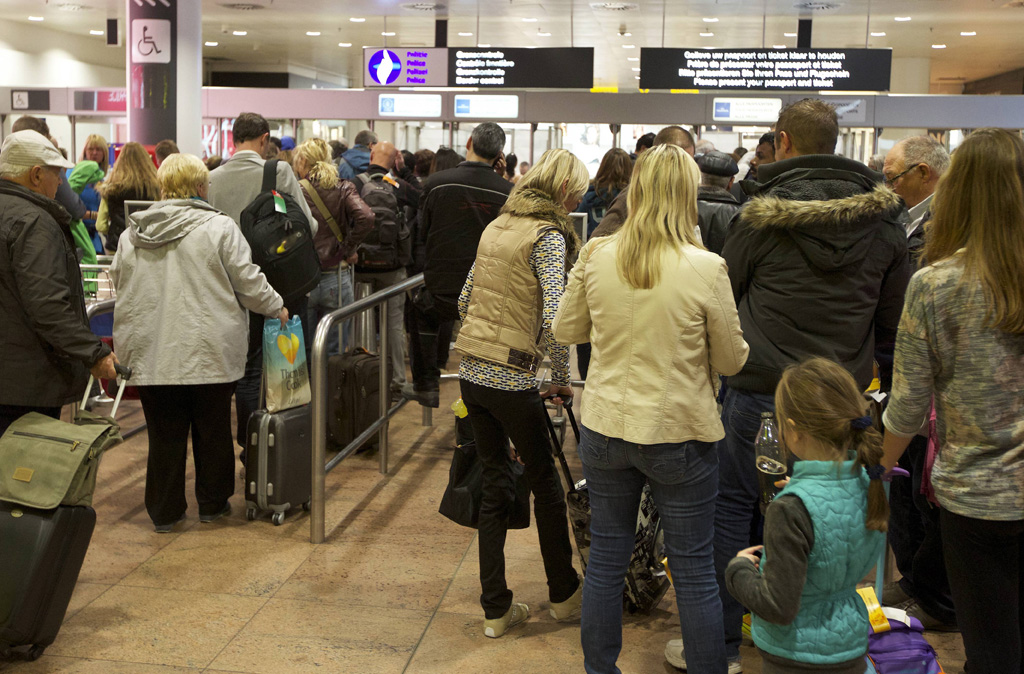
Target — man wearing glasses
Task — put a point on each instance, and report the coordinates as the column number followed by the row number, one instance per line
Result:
column 912, row 170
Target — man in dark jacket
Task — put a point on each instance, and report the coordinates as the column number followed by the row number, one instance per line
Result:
column 716, row 207
column 47, row 345
column 819, row 267
column 912, row 170
column 356, row 160
column 455, row 207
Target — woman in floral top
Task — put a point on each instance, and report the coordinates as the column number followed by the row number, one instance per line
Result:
column 961, row 341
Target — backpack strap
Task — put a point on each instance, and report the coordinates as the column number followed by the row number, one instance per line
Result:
column 363, row 179
column 269, row 176
column 322, row 207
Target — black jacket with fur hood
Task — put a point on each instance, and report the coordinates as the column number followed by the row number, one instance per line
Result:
column 819, row 267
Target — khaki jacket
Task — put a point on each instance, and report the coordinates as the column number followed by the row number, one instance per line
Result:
column 655, row 352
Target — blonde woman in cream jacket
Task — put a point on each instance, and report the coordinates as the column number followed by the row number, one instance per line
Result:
column 659, row 311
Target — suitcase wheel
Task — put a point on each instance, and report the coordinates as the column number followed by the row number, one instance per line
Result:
column 35, row 653
column 250, row 514
column 306, row 505
column 278, row 519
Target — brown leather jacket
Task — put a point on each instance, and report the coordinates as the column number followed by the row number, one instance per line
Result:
column 353, row 217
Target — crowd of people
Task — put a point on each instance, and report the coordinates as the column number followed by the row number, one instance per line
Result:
column 714, row 289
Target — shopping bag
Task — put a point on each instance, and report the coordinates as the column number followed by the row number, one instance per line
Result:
column 284, row 365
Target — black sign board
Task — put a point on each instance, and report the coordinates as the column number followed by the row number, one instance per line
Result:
column 520, row 68
column 31, row 99
column 762, row 69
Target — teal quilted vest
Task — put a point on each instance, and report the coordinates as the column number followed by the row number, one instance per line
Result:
column 832, row 625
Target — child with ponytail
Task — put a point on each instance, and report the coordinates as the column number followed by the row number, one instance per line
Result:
column 823, row 532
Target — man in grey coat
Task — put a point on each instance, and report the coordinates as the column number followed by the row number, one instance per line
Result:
column 46, row 341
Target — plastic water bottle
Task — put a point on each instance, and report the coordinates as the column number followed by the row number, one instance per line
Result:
column 771, row 459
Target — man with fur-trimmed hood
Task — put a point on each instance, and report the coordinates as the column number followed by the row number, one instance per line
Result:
column 818, row 265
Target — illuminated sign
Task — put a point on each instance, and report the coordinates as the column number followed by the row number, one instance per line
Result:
column 766, row 69
column 487, row 107
column 409, row 105
column 521, row 68
column 405, row 67
column 746, row 109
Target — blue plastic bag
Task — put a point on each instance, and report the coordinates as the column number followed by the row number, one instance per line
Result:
column 284, row 365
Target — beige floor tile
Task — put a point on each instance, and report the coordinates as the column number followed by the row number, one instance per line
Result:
column 118, row 549
column 84, row 593
column 524, row 577
column 162, row 627
column 296, row 636
column 49, row 664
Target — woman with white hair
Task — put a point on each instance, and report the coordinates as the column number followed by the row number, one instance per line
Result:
column 658, row 310
column 184, row 277
column 507, row 304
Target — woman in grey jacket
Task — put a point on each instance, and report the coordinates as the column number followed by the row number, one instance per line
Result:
column 184, row 277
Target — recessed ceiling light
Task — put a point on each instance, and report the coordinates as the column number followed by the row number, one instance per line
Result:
column 388, row 33
column 636, row 70
column 629, row 46
column 633, row 58
column 710, row 19
column 356, row 19
column 539, row 34
column 465, row 35
column 789, row 35
column 484, row 46
column 239, row 33
column 344, row 44
column 530, row 19
column 625, row 34
column 902, row 18
column 313, row 33
column 35, row 18
column 778, row 46
column 968, row 33
column 878, row 34
column 96, row 32
column 636, row 77
column 938, row 46
column 707, row 34
column 211, row 44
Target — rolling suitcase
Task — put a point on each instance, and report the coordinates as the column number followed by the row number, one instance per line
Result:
column 278, row 466
column 353, row 385
column 646, row 581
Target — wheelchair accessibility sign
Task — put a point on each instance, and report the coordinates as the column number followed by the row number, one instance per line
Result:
column 151, row 41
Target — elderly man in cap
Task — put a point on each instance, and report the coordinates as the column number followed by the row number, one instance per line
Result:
column 716, row 206
column 46, row 343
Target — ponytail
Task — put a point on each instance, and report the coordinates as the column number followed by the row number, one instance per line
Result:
column 867, row 443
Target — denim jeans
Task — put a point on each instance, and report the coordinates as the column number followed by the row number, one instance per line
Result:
column 684, row 481
column 335, row 291
column 396, row 319
column 738, row 513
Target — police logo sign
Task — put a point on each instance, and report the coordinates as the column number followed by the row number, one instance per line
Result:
column 384, row 67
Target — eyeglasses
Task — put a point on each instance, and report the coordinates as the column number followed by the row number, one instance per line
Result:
column 889, row 182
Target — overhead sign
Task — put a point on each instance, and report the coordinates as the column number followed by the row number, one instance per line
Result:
column 115, row 100
column 151, row 41
column 409, row 105
column 30, row 99
column 849, row 110
column 521, row 68
column 487, row 106
column 405, row 67
column 746, row 109
column 766, row 69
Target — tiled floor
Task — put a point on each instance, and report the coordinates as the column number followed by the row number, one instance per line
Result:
column 394, row 588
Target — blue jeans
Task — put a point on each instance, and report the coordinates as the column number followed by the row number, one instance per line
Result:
column 738, row 514
column 684, row 481
column 335, row 291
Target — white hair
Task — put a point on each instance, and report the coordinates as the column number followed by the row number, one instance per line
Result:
column 925, row 150
column 13, row 172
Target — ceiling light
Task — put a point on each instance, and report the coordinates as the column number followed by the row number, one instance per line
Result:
column 629, row 46
column 530, row 19
column 239, row 33
column 789, row 35
column 938, row 46
column 707, row 34
column 968, row 33
column 344, row 44
column 465, row 35
column 35, row 18
column 710, row 19
column 633, row 58
column 625, row 34
column 539, row 34
column 902, row 18
column 356, row 19
column 313, row 33
column 778, row 46
column 211, row 44
column 636, row 70
column 388, row 33
column 878, row 34
column 636, row 77
column 100, row 32
column 484, row 46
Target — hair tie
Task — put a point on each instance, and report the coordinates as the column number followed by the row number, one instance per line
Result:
column 875, row 472
column 861, row 423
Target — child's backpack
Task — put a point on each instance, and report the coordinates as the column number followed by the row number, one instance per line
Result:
column 902, row 650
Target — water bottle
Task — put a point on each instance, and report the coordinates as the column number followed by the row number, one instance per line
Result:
column 771, row 459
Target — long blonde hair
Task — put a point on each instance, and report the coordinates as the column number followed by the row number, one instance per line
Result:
column 556, row 168
column 99, row 142
column 979, row 206
column 822, row 400
column 133, row 173
column 662, row 203
column 315, row 155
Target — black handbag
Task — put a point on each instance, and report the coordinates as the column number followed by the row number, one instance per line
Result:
column 461, row 500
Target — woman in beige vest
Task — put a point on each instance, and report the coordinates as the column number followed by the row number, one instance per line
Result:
column 507, row 304
column 659, row 311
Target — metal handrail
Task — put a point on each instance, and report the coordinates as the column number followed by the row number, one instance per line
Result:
column 318, row 378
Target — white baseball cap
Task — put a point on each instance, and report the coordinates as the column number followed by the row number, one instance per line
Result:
column 25, row 149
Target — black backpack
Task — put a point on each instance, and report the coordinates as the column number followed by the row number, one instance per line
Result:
column 282, row 243
column 388, row 246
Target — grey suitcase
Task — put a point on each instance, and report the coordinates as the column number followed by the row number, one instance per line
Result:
column 278, row 462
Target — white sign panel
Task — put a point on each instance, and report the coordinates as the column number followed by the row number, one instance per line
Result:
column 487, row 107
column 151, row 41
column 409, row 105
column 19, row 100
column 747, row 109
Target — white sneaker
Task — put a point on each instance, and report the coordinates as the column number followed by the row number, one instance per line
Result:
column 674, row 656
column 516, row 614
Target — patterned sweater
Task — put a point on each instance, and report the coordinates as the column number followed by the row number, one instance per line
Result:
column 548, row 263
column 976, row 374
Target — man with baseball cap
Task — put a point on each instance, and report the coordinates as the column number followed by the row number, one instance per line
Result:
column 46, row 343
column 715, row 205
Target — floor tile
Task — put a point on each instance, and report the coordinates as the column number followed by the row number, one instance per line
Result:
column 163, row 627
column 84, row 593
column 298, row 636
column 49, row 664
column 118, row 549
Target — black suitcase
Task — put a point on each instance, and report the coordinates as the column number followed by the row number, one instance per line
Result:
column 646, row 580
column 41, row 555
column 353, row 386
column 278, row 462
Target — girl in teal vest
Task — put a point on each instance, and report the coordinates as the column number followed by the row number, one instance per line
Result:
column 822, row 533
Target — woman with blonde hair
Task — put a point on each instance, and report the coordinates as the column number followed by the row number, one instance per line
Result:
column 85, row 179
column 132, row 179
column 344, row 220
column 961, row 344
column 659, row 312
column 184, row 277
column 507, row 305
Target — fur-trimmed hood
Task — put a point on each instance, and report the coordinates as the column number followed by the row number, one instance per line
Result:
column 534, row 204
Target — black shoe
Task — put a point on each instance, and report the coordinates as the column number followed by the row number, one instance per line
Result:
column 425, row 398
column 893, row 594
column 929, row 623
column 223, row 512
column 166, row 528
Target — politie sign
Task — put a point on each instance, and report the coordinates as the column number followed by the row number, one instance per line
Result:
column 405, row 67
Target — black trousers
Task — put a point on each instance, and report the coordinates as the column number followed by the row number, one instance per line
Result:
column 985, row 560
column 11, row 413
column 496, row 417
column 430, row 331
column 915, row 535
column 172, row 413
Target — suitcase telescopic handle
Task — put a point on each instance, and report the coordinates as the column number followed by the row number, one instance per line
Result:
column 125, row 373
column 557, row 445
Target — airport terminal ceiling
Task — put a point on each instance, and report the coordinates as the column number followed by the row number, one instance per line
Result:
column 980, row 37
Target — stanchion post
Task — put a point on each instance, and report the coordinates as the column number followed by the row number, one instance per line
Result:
column 317, row 506
column 385, row 388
